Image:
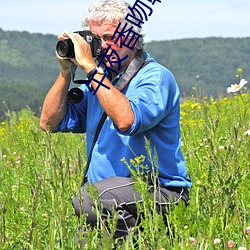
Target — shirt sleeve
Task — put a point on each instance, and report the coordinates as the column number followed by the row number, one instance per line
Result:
column 153, row 97
column 75, row 117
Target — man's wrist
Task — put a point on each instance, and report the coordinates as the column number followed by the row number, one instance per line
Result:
column 65, row 73
column 96, row 70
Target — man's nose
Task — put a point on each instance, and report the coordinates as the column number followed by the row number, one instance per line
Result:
column 104, row 44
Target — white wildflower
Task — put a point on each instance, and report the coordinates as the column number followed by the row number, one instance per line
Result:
column 217, row 241
column 247, row 133
column 242, row 248
column 236, row 87
column 192, row 240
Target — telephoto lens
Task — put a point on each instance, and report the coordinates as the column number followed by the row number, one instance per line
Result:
column 65, row 48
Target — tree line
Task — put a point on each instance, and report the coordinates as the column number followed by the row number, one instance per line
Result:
column 202, row 67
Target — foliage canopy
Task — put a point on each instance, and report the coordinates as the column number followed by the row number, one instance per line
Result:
column 205, row 67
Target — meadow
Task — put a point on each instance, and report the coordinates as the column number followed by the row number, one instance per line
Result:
column 40, row 172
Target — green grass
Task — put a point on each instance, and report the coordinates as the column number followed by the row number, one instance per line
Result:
column 40, row 172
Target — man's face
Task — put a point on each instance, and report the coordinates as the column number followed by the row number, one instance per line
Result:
column 105, row 31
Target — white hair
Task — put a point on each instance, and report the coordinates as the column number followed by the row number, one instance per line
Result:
column 114, row 12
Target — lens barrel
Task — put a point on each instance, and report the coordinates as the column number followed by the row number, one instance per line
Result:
column 65, row 48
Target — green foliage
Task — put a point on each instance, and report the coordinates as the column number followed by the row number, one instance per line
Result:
column 202, row 67
column 28, row 68
column 14, row 95
column 28, row 58
column 36, row 184
column 40, row 172
column 208, row 62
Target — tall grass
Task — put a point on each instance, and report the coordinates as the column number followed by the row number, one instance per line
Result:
column 40, row 172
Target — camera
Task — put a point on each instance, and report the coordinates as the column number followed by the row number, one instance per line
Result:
column 65, row 48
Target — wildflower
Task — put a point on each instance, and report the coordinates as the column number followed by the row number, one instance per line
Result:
column 192, row 240
column 216, row 241
column 248, row 230
column 195, row 106
column 221, row 147
column 237, row 87
column 138, row 160
column 230, row 244
column 198, row 182
column 132, row 162
column 242, row 248
column 247, row 133
column 123, row 159
column 22, row 210
column 45, row 216
column 240, row 70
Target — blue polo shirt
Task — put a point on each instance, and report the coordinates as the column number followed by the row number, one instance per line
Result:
column 154, row 97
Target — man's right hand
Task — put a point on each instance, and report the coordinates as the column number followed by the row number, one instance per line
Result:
column 66, row 63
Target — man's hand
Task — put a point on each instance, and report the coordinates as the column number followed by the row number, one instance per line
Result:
column 83, row 54
column 66, row 63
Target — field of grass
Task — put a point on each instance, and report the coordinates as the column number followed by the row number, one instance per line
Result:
column 40, row 172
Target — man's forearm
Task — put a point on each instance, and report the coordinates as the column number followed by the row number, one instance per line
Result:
column 55, row 103
column 115, row 104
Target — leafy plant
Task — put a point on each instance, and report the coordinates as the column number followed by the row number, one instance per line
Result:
column 40, row 172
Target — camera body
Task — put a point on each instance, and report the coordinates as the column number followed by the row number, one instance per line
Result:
column 65, row 48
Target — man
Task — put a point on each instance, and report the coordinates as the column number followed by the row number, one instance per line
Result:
column 144, row 106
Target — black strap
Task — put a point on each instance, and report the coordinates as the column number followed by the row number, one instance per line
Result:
column 136, row 64
column 97, row 132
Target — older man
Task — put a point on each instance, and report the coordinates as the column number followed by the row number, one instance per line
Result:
column 140, row 98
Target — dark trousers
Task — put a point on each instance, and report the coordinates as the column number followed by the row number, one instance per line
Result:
column 119, row 194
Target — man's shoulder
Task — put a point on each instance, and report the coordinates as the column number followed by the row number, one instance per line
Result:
column 154, row 63
column 153, row 68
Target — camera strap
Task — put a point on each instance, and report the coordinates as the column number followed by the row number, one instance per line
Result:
column 136, row 64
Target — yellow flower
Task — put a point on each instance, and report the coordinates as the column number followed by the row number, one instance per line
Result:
column 138, row 160
column 195, row 105
column 240, row 70
column 132, row 162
